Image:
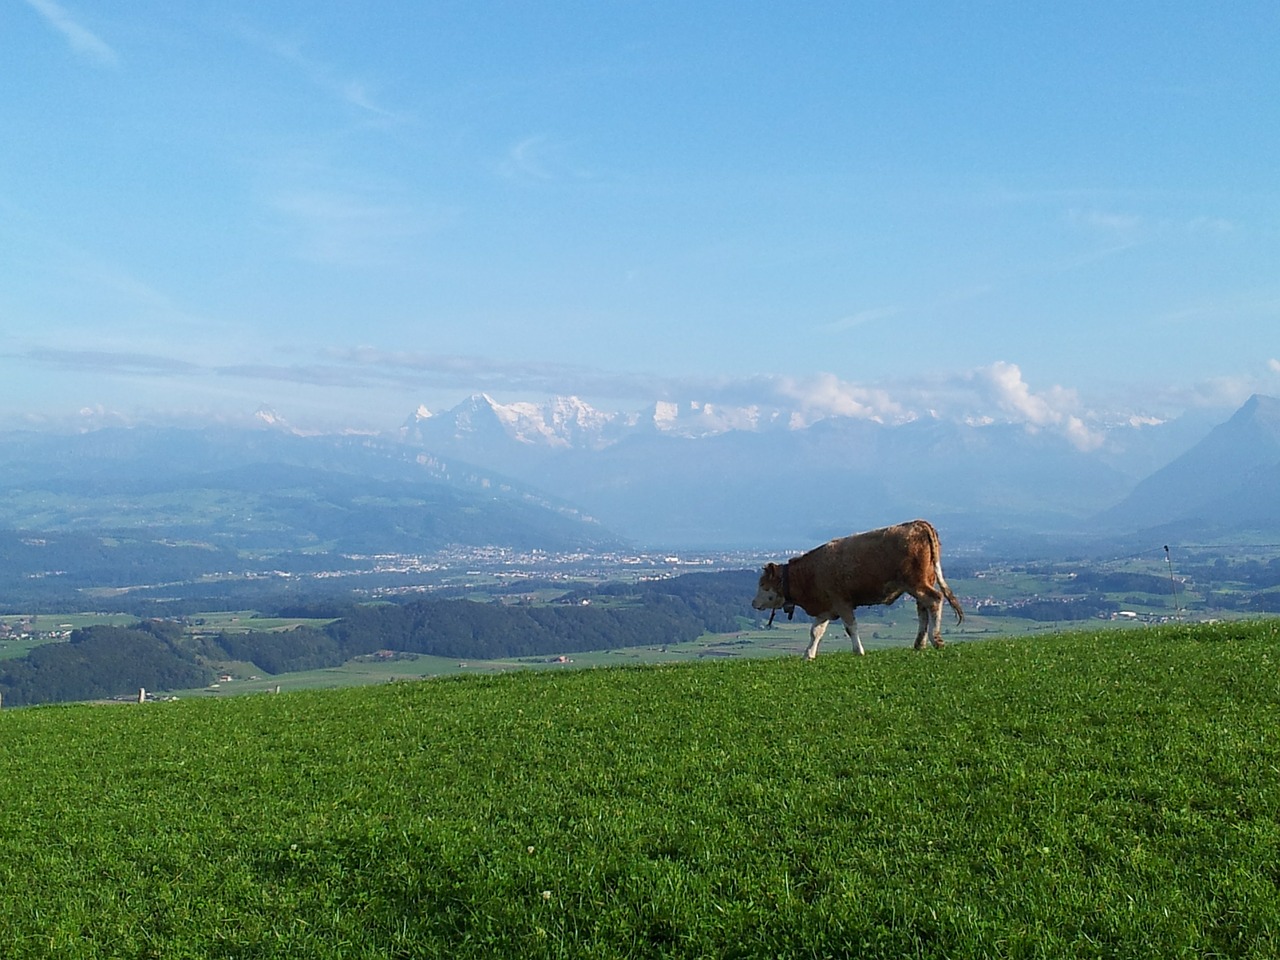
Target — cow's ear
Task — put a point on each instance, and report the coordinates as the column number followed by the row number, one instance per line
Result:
column 771, row 569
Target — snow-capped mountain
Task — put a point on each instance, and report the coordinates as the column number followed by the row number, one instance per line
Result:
column 706, row 473
column 568, row 423
column 561, row 423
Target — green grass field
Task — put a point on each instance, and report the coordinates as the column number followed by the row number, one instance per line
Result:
column 1105, row 794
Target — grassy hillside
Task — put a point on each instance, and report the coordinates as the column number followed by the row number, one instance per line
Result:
column 1112, row 794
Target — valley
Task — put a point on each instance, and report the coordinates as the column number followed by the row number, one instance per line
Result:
column 1002, row 599
column 512, row 515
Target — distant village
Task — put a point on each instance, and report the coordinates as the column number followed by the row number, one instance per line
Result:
column 26, row 628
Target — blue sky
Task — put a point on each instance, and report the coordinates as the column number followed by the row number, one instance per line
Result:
column 1012, row 210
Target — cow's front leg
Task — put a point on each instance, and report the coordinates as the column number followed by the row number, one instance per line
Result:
column 851, row 628
column 815, row 634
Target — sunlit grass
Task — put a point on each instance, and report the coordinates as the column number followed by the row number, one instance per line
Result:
column 1113, row 794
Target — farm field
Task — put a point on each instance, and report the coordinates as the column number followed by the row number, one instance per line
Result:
column 1098, row 794
column 46, row 628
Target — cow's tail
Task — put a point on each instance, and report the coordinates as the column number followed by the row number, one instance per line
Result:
column 937, row 568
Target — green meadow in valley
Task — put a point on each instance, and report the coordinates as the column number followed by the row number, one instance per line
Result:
column 1102, row 794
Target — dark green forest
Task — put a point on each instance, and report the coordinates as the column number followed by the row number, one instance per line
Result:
column 101, row 662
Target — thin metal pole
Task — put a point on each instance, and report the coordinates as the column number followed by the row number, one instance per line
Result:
column 1177, row 611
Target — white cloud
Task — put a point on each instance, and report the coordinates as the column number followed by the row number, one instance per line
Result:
column 82, row 40
column 1014, row 395
column 826, row 395
column 1273, row 365
column 1047, row 410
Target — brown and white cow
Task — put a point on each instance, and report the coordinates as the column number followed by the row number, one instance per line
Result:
column 862, row 570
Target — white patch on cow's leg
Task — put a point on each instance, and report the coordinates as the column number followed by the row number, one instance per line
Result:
column 815, row 634
column 935, row 625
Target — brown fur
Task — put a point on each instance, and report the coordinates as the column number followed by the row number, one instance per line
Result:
column 876, row 567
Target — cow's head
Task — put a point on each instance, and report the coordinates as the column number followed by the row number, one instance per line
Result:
column 770, row 593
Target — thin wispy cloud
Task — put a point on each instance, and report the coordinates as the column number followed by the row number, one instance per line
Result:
column 540, row 159
column 1251, row 304
column 1122, row 230
column 1210, row 226
column 357, row 94
column 317, row 375
column 341, row 227
column 83, row 41
column 471, row 373
column 861, row 318
column 105, row 361
column 346, row 89
column 1106, row 221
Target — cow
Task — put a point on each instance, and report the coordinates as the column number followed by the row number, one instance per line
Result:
column 876, row 567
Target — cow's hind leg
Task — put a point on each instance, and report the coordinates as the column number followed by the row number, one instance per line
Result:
column 815, row 634
column 929, row 610
column 851, row 628
column 922, row 632
column 935, row 624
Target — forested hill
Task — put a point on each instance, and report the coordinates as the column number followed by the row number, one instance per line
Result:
column 102, row 662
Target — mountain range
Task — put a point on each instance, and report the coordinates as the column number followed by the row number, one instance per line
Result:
column 697, row 474
column 563, row 476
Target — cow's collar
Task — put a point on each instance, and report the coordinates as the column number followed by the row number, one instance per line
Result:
column 788, row 605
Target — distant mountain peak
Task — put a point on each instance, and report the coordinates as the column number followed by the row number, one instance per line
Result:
column 268, row 417
column 1260, row 409
column 1227, row 464
column 559, row 423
